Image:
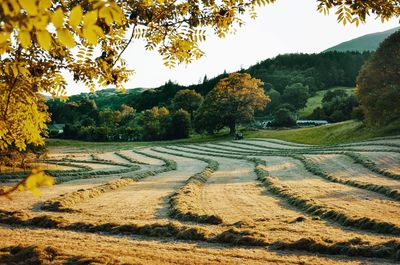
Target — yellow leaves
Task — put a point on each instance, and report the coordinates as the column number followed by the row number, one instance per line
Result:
column 44, row 39
column 36, row 179
column 66, row 38
column 58, row 18
column 30, row 6
column 90, row 18
column 75, row 16
column 45, row 4
column 107, row 14
column 24, row 38
column 90, row 31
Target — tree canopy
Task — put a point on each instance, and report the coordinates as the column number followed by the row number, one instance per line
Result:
column 188, row 100
column 232, row 101
column 378, row 85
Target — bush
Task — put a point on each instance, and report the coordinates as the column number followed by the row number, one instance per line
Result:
column 284, row 118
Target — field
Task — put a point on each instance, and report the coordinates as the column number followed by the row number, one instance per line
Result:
column 254, row 201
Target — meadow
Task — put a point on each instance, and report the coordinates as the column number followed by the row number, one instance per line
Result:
column 254, row 201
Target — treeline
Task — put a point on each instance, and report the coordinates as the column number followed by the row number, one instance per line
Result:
column 89, row 123
column 314, row 71
column 156, row 114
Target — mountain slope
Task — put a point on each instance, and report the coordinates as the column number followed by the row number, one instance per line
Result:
column 368, row 42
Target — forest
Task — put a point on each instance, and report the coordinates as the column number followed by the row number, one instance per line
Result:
column 288, row 80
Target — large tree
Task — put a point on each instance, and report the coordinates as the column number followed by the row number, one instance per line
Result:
column 296, row 95
column 232, row 101
column 378, row 84
column 188, row 100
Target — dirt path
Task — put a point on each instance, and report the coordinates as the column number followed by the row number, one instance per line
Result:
column 344, row 168
column 141, row 201
column 387, row 160
column 336, row 196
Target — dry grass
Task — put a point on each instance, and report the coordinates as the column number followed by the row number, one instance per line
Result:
column 214, row 204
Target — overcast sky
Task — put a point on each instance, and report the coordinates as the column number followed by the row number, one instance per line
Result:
column 288, row 26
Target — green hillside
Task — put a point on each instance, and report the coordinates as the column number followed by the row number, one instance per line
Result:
column 316, row 101
column 368, row 42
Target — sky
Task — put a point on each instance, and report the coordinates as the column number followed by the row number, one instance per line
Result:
column 288, row 26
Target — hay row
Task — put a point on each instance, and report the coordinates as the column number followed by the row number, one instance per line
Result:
column 356, row 157
column 64, row 202
column 183, row 203
column 315, row 169
column 130, row 159
column 309, row 206
column 233, row 236
column 371, row 165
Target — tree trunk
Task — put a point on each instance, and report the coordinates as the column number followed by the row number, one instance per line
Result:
column 232, row 129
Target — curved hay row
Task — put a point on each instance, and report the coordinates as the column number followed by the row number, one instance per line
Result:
column 310, row 206
column 315, row 169
column 38, row 254
column 64, row 202
column 357, row 144
column 6, row 177
column 183, row 202
column 232, row 236
column 315, row 149
column 130, row 159
column 364, row 161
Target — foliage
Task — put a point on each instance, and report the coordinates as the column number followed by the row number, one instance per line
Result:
column 378, row 85
column 315, row 101
column 188, row 100
column 34, row 180
column 284, row 118
column 337, row 106
column 357, row 11
column 41, row 39
column 232, row 101
column 178, row 126
column 296, row 95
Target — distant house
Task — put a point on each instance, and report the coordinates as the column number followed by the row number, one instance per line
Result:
column 56, row 128
column 305, row 123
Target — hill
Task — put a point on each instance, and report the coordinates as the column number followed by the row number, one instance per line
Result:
column 316, row 100
column 364, row 43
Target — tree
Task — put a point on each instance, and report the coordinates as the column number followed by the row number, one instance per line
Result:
column 296, row 95
column 188, row 100
column 178, row 125
column 154, row 123
column 378, row 84
column 37, row 38
column 232, row 101
column 284, row 118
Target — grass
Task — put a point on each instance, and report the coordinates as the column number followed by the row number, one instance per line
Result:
column 342, row 132
column 109, row 146
column 316, row 101
column 338, row 133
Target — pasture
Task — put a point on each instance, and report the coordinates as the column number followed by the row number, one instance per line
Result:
column 254, row 201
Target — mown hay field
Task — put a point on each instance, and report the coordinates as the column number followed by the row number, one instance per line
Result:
column 254, row 201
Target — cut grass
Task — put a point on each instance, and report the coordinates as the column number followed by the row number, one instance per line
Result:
column 183, row 202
